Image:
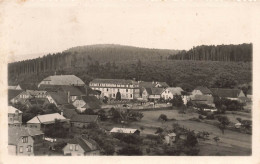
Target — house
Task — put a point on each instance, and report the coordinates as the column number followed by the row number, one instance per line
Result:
column 14, row 116
column 203, row 99
column 81, row 121
column 232, row 94
column 41, row 121
column 200, row 90
column 170, row 92
column 81, row 146
column 36, row 101
column 126, row 89
column 15, row 87
column 72, row 92
column 169, row 138
column 125, row 131
column 58, row 98
column 15, row 96
column 155, row 93
column 87, row 102
column 68, row 80
column 24, row 140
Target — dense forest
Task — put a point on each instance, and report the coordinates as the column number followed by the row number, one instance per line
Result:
column 228, row 53
column 113, row 61
column 84, row 56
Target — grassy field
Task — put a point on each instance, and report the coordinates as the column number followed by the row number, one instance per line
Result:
column 231, row 142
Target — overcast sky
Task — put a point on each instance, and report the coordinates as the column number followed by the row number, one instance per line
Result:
column 41, row 27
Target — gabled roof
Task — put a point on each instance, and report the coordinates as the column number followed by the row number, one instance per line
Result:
column 156, row 91
column 59, row 97
column 148, row 90
column 46, row 118
column 15, row 133
column 64, row 80
column 74, row 91
column 84, row 118
column 86, row 144
column 91, row 102
column 225, row 92
column 13, row 93
column 114, row 81
column 203, row 90
column 12, row 109
column 123, row 130
column 175, row 90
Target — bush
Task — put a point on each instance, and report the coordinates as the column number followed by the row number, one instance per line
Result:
column 200, row 117
column 163, row 117
column 130, row 150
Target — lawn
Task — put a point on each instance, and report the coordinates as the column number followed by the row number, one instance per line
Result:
column 231, row 142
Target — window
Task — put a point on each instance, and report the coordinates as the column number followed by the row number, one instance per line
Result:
column 10, row 118
column 76, row 147
column 71, row 148
column 126, row 90
column 20, row 149
column 131, row 95
column 107, row 89
column 29, row 148
column 25, row 139
column 114, row 95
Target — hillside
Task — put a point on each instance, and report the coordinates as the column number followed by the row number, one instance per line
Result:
column 227, row 53
column 115, row 61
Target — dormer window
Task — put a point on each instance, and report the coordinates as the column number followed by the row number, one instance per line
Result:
column 25, row 139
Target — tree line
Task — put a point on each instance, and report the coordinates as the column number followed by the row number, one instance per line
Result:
column 227, row 53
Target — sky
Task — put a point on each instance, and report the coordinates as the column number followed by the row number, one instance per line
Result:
column 31, row 29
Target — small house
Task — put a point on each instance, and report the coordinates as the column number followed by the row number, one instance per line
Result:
column 81, row 147
column 41, row 121
column 82, row 120
column 170, row 92
column 24, row 141
column 125, row 131
column 14, row 116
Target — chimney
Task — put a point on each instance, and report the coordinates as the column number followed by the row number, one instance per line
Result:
column 68, row 96
column 55, row 73
column 61, row 113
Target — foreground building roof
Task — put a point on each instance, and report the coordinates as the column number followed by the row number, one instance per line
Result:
column 203, row 90
column 13, row 110
column 225, row 92
column 16, row 132
column 46, row 118
column 62, row 80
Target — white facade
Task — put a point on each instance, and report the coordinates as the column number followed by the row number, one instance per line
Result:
column 127, row 91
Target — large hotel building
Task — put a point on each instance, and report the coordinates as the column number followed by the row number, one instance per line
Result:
column 128, row 89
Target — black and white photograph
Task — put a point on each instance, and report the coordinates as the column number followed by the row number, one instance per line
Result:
column 128, row 78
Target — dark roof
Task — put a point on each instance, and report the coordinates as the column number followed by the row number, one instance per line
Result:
column 86, row 144
column 30, row 86
column 59, row 97
column 114, row 81
column 249, row 92
column 148, row 90
column 224, row 92
column 84, row 118
column 91, row 102
column 13, row 93
column 204, row 90
column 74, row 90
column 157, row 91
column 69, row 113
column 68, row 106
column 14, row 133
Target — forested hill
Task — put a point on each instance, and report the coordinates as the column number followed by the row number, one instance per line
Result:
column 228, row 53
column 84, row 56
